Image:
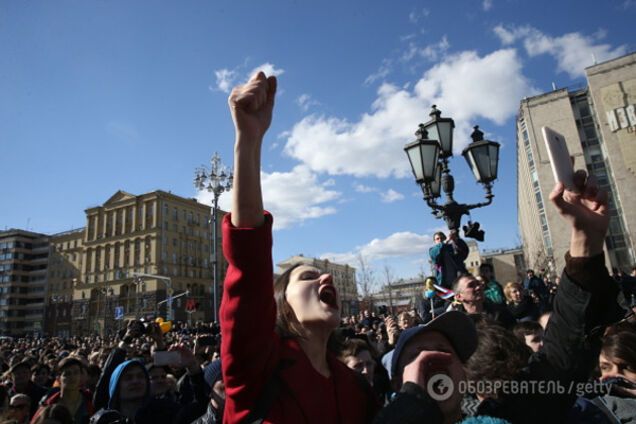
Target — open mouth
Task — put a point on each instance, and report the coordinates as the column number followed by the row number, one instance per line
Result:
column 327, row 294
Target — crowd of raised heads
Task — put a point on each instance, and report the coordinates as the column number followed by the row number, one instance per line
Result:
column 544, row 349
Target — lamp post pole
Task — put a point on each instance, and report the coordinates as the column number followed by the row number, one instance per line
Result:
column 215, row 180
column 429, row 162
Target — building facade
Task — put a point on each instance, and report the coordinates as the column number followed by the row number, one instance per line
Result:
column 137, row 251
column 66, row 256
column 344, row 278
column 599, row 124
column 24, row 259
column 509, row 265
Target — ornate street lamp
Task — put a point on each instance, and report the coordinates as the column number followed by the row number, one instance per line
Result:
column 215, row 180
column 428, row 156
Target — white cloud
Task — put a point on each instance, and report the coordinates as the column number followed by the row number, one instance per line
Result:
column 416, row 15
column 305, row 102
column 398, row 245
column 383, row 71
column 573, row 51
column 361, row 188
column 486, row 5
column 465, row 86
column 430, row 52
column 391, row 196
column 268, row 69
column 225, row 79
column 292, row 197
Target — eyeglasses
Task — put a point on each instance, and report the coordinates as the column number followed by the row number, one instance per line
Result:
column 18, row 406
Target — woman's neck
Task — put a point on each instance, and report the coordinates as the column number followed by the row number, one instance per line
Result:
column 314, row 344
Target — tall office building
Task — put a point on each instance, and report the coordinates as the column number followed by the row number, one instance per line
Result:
column 599, row 125
column 154, row 236
column 23, row 272
column 65, row 265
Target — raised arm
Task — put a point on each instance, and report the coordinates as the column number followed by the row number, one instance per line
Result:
column 251, row 105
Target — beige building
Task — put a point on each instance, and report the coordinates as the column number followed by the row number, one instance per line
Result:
column 509, row 265
column 402, row 295
column 344, row 278
column 473, row 260
column 599, row 124
column 66, row 255
column 154, row 234
column 23, row 271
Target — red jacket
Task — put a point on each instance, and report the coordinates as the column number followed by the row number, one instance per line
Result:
column 83, row 414
column 251, row 350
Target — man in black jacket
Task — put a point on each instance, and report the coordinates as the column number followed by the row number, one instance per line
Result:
column 584, row 305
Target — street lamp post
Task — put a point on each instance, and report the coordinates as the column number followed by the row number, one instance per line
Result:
column 215, row 180
column 428, row 156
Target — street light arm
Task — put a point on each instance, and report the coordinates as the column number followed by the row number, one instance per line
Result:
column 489, row 196
column 433, row 204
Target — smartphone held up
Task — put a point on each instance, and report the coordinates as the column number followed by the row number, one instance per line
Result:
column 559, row 156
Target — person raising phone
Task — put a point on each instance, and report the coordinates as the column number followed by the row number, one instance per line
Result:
column 276, row 333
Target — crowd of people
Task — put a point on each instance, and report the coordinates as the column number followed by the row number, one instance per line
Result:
column 544, row 349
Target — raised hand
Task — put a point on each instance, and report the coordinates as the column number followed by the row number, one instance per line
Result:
column 587, row 211
column 251, row 106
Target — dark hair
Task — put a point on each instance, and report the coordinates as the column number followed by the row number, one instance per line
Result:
column 353, row 346
column 55, row 412
column 287, row 325
column 440, row 234
column 458, row 279
column 37, row 367
column 620, row 342
column 499, row 356
column 526, row 328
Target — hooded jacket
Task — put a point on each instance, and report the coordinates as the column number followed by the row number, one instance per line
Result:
column 107, row 393
column 113, row 386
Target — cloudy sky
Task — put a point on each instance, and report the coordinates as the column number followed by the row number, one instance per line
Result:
column 100, row 96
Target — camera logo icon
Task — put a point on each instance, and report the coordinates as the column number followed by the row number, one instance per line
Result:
column 440, row 387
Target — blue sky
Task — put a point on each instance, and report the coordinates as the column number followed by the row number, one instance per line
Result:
column 98, row 96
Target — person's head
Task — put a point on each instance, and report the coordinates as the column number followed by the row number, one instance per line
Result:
column 70, row 370
column 20, row 375
column 159, row 383
column 214, row 379
column 305, row 298
column 468, row 290
column 40, row 374
column 20, row 407
column 486, row 271
column 54, row 414
column 128, row 383
column 499, row 356
column 452, row 333
column 356, row 354
column 93, row 371
column 405, row 320
column 618, row 355
column 513, row 292
column 530, row 273
column 531, row 333
column 439, row 237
